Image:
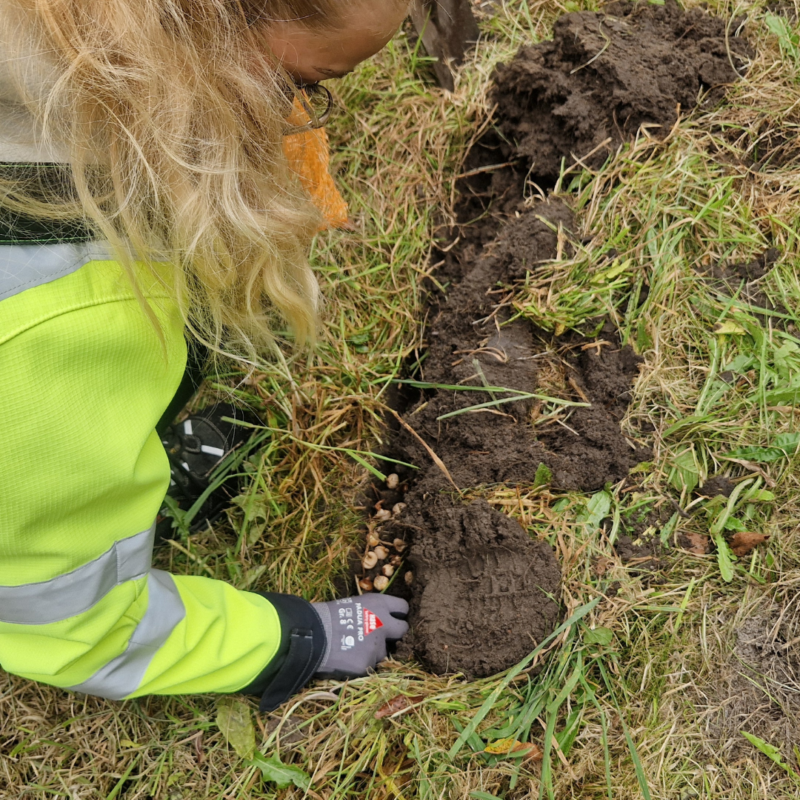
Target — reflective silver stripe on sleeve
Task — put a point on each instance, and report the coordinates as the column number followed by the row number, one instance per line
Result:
column 123, row 675
column 23, row 266
column 71, row 594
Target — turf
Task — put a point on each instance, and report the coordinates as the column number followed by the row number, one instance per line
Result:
column 631, row 698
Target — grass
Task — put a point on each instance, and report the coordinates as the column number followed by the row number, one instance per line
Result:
column 636, row 697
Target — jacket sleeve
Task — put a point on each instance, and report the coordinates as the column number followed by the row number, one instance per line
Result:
column 85, row 379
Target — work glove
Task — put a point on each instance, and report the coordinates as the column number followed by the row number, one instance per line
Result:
column 357, row 631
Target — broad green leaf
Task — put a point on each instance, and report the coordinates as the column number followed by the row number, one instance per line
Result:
column 767, row 749
column 724, row 515
column 685, row 473
column 761, row 496
column 236, row 724
column 602, row 636
column 644, row 341
column 787, row 40
column 282, row 775
column 733, row 524
column 739, row 364
column 784, row 446
column 788, row 442
column 616, row 269
column 785, row 358
column 543, row 475
column 596, row 510
column 784, row 396
column 669, row 528
column 725, row 558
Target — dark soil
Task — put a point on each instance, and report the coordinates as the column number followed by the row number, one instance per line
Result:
column 470, row 345
column 487, row 592
column 719, row 485
column 471, row 563
column 604, row 75
column 483, row 593
column 638, row 542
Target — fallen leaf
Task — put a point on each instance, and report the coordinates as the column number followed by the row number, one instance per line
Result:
column 236, row 724
column 511, row 747
column 744, row 541
column 697, row 543
column 396, row 704
column 601, row 566
column 601, row 636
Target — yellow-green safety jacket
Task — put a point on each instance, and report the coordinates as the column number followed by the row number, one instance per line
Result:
column 83, row 474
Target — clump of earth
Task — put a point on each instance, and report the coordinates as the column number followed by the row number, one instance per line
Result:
column 605, row 75
column 482, row 591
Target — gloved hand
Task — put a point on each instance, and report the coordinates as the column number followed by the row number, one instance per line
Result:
column 357, row 629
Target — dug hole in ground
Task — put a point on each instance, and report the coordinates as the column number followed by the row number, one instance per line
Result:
column 551, row 412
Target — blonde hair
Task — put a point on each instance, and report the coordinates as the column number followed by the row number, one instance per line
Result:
column 173, row 118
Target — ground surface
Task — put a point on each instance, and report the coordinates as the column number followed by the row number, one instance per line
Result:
column 659, row 284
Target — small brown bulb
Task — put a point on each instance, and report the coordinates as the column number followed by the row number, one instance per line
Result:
column 373, row 539
column 380, row 583
column 388, row 570
column 409, row 577
column 392, row 481
column 369, row 560
column 366, row 584
column 381, row 552
column 399, row 545
column 397, row 509
column 381, row 515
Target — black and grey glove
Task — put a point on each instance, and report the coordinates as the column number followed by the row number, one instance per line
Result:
column 357, row 630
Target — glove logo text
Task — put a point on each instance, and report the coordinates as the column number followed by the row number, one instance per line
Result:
column 371, row 622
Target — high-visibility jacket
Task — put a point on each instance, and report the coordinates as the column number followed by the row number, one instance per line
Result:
column 83, row 381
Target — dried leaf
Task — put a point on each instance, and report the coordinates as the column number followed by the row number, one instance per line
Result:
column 744, row 541
column 697, row 543
column 396, row 704
column 512, row 747
column 601, row 566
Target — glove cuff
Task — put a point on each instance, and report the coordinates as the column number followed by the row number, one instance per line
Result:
column 302, row 649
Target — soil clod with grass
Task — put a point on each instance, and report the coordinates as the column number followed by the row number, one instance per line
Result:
column 488, row 592
column 604, row 75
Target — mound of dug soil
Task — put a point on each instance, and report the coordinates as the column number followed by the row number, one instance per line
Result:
column 605, row 75
column 488, row 592
column 470, row 346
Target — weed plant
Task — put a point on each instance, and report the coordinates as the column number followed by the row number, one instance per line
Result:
column 631, row 697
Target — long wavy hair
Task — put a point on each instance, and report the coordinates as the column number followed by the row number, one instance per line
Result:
column 171, row 114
